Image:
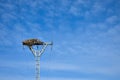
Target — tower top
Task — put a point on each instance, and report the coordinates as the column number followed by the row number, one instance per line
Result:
column 32, row 42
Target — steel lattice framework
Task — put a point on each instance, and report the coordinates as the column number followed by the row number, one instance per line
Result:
column 37, row 53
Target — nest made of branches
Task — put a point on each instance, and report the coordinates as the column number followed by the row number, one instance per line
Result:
column 31, row 42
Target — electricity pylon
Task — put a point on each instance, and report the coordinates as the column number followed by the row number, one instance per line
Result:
column 37, row 53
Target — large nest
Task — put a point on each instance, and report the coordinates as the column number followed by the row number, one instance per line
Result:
column 31, row 42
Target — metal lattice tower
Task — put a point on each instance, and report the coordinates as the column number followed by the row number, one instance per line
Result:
column 37, row 53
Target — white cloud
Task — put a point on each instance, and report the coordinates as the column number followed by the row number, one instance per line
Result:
column 41, row 78
column 97, row 40
column 58, row 66
column 75, row 11
column 112, row 19
column 97, row 8
column 16, row 78
column 60, row 78
column 76, row 7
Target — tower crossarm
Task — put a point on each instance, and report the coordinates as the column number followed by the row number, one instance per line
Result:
column 39, row 52
column 43, row 49
column 32, row 50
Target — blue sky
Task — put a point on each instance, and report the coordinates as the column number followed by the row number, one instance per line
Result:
column 86, row 36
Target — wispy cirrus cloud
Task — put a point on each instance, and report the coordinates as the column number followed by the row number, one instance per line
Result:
column 44, row 78
column 85, row 35
column 113, row 69
column 62, row 78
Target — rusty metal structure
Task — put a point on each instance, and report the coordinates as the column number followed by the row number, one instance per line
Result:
column 37, row 53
